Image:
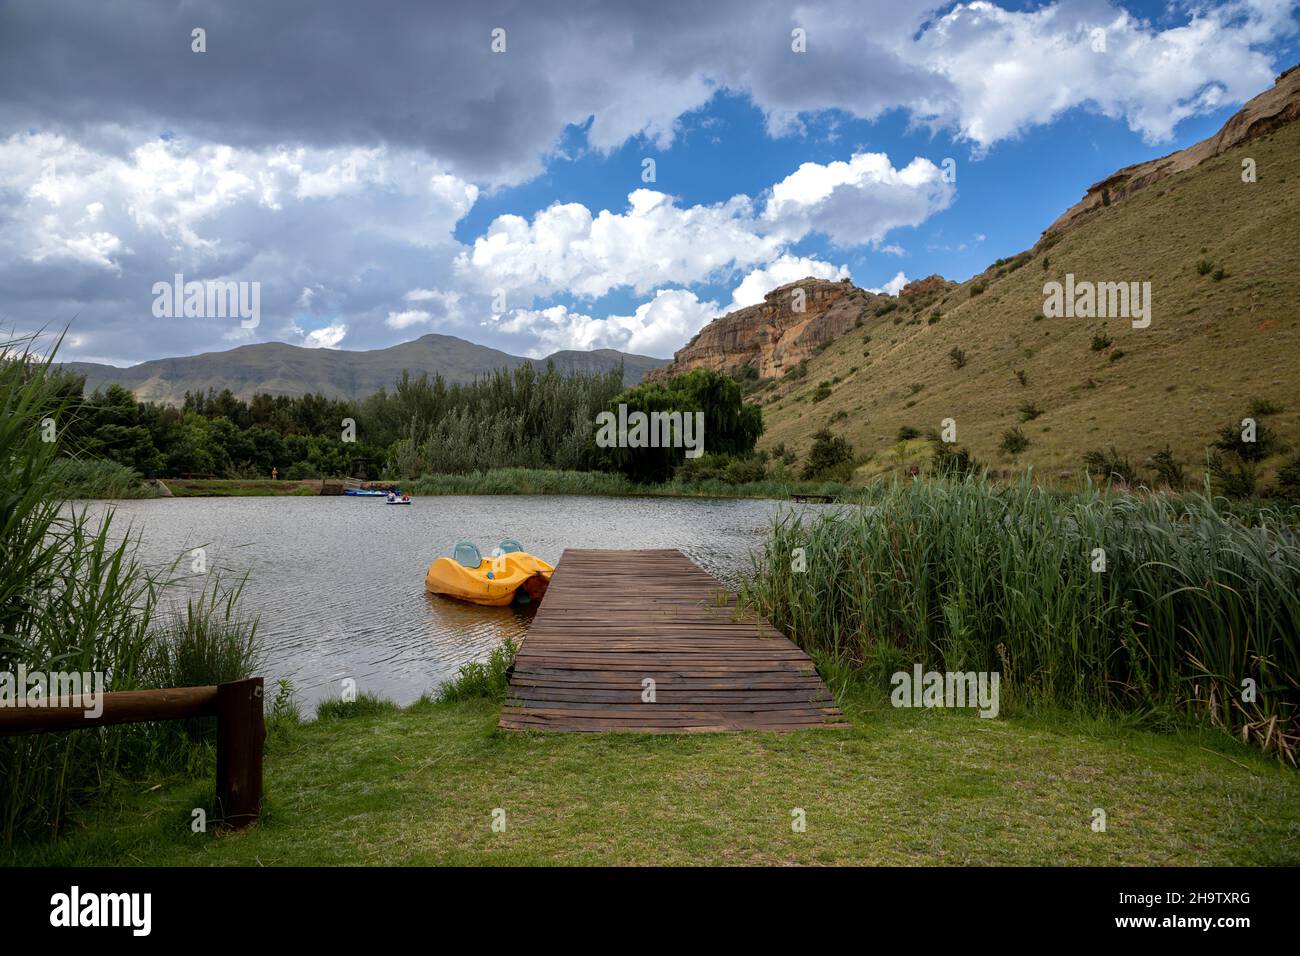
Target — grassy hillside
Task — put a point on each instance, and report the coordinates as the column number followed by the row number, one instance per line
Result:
column 281, row 369
column 1217, row 340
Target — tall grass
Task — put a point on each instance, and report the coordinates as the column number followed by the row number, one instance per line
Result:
column 541, row 481
column 73, row 597
column 80, row 478
column 965, row 575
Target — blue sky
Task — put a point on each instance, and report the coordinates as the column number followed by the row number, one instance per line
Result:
column 383, row 176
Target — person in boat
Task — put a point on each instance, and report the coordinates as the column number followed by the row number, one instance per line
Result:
column 391, row 497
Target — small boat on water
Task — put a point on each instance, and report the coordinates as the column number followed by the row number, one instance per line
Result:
column 511, row 574
column 363, row 493
column 396, row 499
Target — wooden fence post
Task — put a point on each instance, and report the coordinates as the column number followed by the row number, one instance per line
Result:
column 241, row 732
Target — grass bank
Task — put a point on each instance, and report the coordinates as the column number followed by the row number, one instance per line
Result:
column 529, row 481
column 419, row 786
column 1100, row 602
column 238, row 487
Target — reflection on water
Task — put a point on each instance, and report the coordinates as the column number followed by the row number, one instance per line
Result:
column 337, row 583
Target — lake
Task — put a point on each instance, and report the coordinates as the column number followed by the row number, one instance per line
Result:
column 337, row 583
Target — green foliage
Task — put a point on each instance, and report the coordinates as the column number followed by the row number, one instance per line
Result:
column 1110, row 466
column 1231, row 440
column 731, row 426
column 829, row 459
column 957, row 357
column 907, row 433
column 1029, row 411
column 366, row 704
column 1168, row 471
column 949, row 460
column 1014, row 441
column 1101, row 342
column 821, row 392
column 1288, row 479
column 1204, row 267
column 1260, row 407
column 972, row 576
column 482, row 680
column 73, row 598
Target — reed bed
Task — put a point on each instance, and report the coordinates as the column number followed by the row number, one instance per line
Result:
column 966, row 575
column 73, row 598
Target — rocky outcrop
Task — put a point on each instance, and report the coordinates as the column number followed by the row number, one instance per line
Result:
column 775, row 335
column 1259, row 117
column 929, row 286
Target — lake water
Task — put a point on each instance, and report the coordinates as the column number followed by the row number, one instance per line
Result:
column 337, row 583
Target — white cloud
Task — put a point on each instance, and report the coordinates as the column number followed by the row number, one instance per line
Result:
column 658, row 327
column 324, row 338
column 1009, row 70
column 566, row 248
column 893, row 286
column 857, row 202
column 759, row 282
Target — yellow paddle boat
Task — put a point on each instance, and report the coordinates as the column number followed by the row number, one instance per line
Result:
column 511, row 574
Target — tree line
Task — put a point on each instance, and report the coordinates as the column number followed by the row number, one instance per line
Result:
column 510, row 418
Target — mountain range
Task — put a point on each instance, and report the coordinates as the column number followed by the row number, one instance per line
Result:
column 280, row 369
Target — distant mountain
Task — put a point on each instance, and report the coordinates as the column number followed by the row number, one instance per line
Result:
column 281, row 369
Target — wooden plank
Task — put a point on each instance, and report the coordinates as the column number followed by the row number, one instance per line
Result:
column 613, row 619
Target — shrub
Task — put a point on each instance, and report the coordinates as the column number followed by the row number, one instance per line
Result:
column 1204, row 267
column 1230, row 440
column 1288, row 479
column 821, row 392
column 829, row 459
column 1101, row 342
column 978, row 289
column 1111, row 466
column 935, row 316
column 1168, row 471
column 957, row 357
column 1022, row 377
column 907, row 433
column 1116, row 355
column 1233, row 476
column 1029, row 411
column 952, row 461
column 1014, row 441
column 1259, row 407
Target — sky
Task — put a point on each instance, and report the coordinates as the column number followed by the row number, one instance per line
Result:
column 535, row 176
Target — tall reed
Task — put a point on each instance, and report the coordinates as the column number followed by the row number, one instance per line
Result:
column 73, row 598
column 965, row 575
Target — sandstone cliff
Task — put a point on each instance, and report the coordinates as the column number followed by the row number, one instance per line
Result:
column 772, row 336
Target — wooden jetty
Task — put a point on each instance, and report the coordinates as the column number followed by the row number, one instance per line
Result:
column 614, row 621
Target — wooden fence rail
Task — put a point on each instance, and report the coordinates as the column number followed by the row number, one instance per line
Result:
column 241, row 730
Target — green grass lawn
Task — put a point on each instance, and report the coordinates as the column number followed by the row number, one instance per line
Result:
column 419, row 786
